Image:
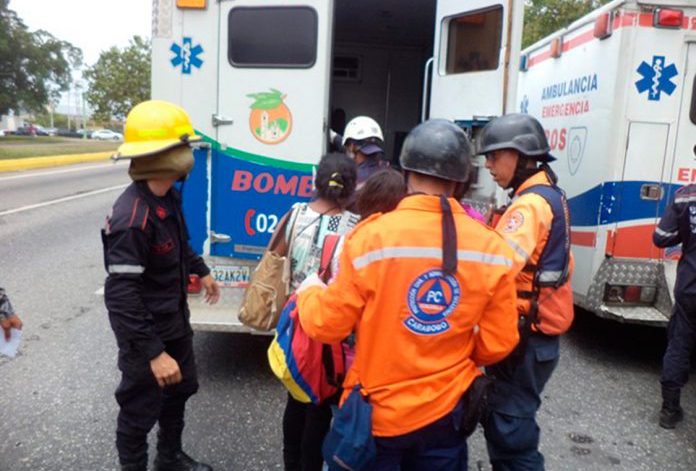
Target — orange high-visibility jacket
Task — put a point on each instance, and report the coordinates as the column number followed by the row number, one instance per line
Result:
column 418, row 344
column 525, row 226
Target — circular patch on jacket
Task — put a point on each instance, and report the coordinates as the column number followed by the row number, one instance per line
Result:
column 431, row 298
column 514, row 222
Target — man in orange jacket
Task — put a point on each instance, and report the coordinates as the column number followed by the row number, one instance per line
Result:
column 537, row 226
column 430, row 294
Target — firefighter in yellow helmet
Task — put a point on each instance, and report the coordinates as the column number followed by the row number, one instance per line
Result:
column 148, row 261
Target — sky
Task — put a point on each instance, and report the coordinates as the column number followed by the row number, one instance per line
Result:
column 91, row 25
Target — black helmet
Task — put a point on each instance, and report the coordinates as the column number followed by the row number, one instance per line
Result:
column 519, row 132
column 438, row 148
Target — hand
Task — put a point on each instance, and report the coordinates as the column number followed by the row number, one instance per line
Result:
column 12, row 322
column 311, row 280
column 212, row 290
column 165, row 369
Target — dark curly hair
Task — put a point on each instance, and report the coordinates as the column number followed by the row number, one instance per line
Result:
column 381, row 193
column 336, row 178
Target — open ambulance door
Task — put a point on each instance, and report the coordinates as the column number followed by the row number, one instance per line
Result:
column 475, row 59
column 271, row 120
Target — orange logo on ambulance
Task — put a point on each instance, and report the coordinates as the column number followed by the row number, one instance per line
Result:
column 270, row 120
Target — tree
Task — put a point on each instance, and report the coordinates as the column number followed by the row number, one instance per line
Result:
column 119, row 80
column 543, row 17
column 35, row 67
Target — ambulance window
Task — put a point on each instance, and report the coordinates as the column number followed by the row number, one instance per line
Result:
column 473, row 42
column 282, row 37
column 692, row 110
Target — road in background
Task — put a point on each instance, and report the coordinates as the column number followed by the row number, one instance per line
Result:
column 57, row 410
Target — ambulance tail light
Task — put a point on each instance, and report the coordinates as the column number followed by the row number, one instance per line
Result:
column 602, row 26
column 668, row 18
column 194, row 284
column 191, row 4
column 630, row 294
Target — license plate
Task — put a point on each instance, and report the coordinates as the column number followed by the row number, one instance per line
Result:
column 231, row 276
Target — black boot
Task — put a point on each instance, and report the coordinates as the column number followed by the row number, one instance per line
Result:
column 178, row 461
column 142, row 466
column 170, row 456
column 671, row 412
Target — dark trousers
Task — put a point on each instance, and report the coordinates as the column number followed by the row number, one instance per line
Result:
column 512, row 434
column 304, row 429
column 681, row 338
column 435, row 447
column 143, row 403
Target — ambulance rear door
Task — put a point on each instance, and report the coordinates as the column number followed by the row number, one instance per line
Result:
column 271, row 119
column 475, row 59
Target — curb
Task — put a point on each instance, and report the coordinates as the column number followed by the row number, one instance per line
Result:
column 12, row 165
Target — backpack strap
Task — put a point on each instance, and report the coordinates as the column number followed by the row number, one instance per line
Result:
column 328, row 251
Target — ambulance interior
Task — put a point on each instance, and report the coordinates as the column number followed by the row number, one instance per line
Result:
column 380, row 51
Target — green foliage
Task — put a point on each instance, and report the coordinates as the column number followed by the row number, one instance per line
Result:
column 543, row 17
column 266, row 100
column 119, row 80
column 35, row 67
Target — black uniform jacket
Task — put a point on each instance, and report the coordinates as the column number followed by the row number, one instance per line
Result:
column 678, row 226
column 148, row 260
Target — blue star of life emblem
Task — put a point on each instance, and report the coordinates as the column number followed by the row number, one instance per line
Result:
column 656, row 78
column 186, row 55
column 524, row 105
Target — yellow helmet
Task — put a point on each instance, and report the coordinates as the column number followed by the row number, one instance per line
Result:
column 154, row 126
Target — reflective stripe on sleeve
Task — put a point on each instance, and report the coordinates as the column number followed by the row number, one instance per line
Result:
column 518, row 250
column 685, row 199
column 662, row 233
column 119, row 269
column 549, row 276
column 427, row 252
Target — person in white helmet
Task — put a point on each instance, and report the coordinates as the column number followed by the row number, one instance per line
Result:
column 363, row 141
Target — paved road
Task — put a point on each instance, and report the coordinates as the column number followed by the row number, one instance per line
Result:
column 57, row 410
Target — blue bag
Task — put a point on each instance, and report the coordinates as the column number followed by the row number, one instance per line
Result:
column 349, row 443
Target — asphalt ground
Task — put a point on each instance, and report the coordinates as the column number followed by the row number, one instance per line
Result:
column 57, row 410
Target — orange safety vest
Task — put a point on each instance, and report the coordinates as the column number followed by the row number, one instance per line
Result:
column 421, row 334
column 526, row 226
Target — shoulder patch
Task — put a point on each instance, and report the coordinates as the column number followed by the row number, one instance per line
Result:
column 513, row 222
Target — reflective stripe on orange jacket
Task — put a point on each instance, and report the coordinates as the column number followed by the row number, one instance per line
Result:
column 525, row 226
column 417, row 346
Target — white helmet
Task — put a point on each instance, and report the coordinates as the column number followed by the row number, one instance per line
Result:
column 361, row 128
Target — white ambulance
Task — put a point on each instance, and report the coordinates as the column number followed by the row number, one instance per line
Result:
column 616, row 93
column 261, row 80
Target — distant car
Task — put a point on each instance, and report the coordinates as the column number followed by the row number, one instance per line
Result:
column 2, row 133
column 27, row 130
column 41, row 131
column 84, row 133
column 51, row 131
column 107, row 135
column 68, row 133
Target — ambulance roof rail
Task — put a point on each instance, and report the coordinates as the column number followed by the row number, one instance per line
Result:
column 582, row 21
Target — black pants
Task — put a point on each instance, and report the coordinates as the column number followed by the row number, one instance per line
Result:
column 143, row 402
column 681, row 335
column 304, row 429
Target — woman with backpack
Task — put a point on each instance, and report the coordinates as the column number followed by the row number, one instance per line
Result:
column 305, row 425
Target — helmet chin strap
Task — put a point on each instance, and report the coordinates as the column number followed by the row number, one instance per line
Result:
column 522, row 173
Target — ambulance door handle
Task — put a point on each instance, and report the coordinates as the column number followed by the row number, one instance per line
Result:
column 221, row 120
column 426, row 81
column 216, row 238
column 651, row 192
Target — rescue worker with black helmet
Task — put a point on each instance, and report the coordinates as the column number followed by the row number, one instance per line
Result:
column 148, row 261
column 678, row 226
column 430, row 295
column 363, row 141
column 536, row 225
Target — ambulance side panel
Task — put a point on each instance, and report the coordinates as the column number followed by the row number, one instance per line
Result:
column 578, row 101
